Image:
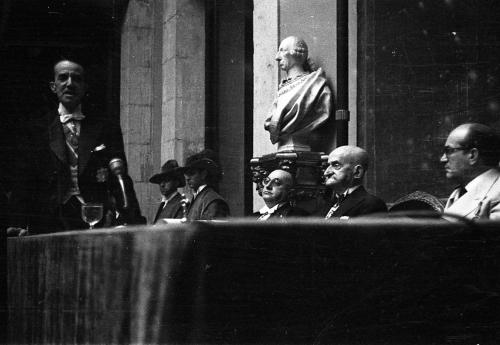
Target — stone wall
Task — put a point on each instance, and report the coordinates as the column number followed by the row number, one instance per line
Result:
column 162, row 88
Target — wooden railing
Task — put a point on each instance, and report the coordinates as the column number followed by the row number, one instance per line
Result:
column 396, row 281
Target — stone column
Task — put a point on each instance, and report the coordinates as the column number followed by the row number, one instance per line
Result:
column 265, row 32
column 162, row 98
column 137, row 94
column 183, row 67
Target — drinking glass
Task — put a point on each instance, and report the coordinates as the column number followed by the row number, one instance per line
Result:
column 92, row 213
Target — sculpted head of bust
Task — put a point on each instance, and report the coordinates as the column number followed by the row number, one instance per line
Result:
column 292, row 55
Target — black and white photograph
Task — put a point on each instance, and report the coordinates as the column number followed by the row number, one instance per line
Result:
column 250, row 172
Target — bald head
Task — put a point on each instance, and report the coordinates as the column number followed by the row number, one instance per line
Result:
column 277, row 187
column 347, row 166
column 481, row 137
column 353, row 154
column 470, row 149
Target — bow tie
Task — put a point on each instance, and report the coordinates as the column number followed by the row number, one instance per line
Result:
column 68, row 117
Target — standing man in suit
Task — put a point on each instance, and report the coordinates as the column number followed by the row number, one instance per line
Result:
column 277, row 189
column 470, row 157
column 169, row 179
column 202, row 174
column 65, row 164
column 347, row 166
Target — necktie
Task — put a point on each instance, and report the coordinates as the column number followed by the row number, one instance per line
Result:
column 338, row 199
column 457, row 194
column 461, row 191
column 71, row 134
column 70, row 130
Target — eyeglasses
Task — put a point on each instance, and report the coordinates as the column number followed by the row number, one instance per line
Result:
column 276, row 182
column 447, row 151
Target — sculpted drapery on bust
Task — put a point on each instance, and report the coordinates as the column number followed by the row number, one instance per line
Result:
column 303, row 101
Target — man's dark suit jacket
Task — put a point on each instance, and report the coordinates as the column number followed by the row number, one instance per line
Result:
column 44, row 174
column 208, row 205
column 173, row 209
column 358, row 203
column 285, row 211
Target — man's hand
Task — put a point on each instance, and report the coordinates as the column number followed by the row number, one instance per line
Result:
column 13, row 232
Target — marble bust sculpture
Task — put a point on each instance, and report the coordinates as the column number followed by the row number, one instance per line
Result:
column 303, row 101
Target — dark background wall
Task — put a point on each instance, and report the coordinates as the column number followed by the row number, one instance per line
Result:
column 424, row 68
column 229, row 88
column 36, row 34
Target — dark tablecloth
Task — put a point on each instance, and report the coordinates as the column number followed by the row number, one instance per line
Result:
column 367, row 282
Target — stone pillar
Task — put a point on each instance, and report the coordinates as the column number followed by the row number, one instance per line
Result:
column 162, row 100
column 137, row 94
column 265, row 32
column 183, row 67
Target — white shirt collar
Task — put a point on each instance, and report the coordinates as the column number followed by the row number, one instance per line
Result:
column 271, row 210
column 350, row 190
column 166, row 200
column 198, row 191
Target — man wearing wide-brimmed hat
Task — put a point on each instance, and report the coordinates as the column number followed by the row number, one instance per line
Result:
column 170, row 178
column 202, row 173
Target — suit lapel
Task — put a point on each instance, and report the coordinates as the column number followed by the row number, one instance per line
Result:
column 466, row 204
column 171, row 209
column 88, row 140
column 57, row 140
column 469, row 202
column 157, row 215
column 282, row 211
column 352, row 200
column 193, row 205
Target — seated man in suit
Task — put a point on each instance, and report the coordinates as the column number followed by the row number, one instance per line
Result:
column 347, row 166
column 169, row 179
column 277, row 189
column 202, row 173
column 470, row 157
column 66, row 164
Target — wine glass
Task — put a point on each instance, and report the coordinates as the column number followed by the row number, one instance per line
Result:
column 92, row 213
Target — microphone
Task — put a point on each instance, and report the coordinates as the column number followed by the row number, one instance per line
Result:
column 117, row 167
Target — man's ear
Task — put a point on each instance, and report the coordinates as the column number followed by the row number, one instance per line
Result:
column 359, row 171
column 52, row 86
column 473, row 156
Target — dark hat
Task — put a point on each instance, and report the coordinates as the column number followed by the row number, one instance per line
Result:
column 170, row 170
column 203, row 160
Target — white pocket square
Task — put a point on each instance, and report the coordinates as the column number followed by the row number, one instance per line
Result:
column 99, row 148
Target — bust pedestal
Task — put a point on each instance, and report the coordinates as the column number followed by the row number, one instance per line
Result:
column 294, row 143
